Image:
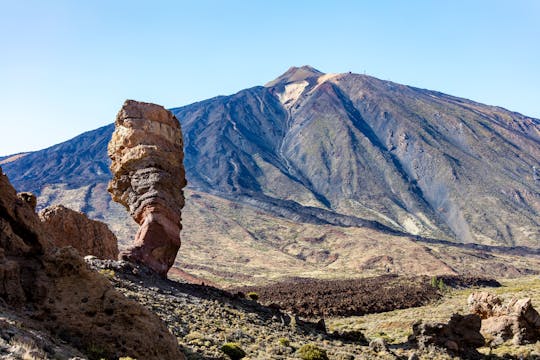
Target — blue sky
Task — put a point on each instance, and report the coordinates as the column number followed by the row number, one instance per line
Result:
column 67, row 66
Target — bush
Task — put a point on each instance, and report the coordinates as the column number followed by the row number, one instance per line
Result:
column 312, row 352
column 233, row 350
column 284, row 342
column 253, row 295
column 107, row 272
column 441, row 285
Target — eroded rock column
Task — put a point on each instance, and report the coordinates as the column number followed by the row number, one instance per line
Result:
column 147, row 155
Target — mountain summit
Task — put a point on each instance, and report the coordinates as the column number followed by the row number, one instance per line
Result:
column 295, row 74
column 327, row 151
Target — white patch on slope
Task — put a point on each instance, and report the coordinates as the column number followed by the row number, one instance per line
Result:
column 326, row 77
column 322, row 79
column 292, row 93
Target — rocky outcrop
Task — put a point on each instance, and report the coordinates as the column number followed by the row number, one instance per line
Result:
column 72, row 228
column 146, row 150
column 516, row 320
column 52, row 290
column 460, row 336
column 28, row 198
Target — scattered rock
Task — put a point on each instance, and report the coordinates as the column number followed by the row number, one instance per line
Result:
column 353, row 336
column 53, row 291
column 378, row 345
column 321, row 325
column 71, row 228
column 315, row 298
column 516, row 320
column 461, row 335
column 146, row 150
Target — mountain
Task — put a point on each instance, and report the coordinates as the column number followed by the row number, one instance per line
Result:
column 414, row 160
column 286, row 166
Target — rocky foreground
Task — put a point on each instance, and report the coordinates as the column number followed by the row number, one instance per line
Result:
column 48, row 292
column 204, row 318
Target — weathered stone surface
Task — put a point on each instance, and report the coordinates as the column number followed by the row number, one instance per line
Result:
column 461, row 335
column 71, row 228
column 146, row 150
column 484, row 304
column 52, row 290
column 516, row 320
column 29, row 198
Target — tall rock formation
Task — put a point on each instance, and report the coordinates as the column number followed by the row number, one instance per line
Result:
column 72, row 228
column 52, row 290
column 147, row 155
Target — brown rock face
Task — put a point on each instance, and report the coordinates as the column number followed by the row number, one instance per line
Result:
column 52, row 290
column 72, row 228
column 29, row 198
column 147, row 155
column 461, row 335
column 516, row 320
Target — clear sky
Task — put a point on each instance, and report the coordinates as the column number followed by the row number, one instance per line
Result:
column 67, row 66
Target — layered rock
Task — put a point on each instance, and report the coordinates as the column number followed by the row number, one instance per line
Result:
column 146, row 150
column 52, row 290
column 72, row 228
column 516, row 320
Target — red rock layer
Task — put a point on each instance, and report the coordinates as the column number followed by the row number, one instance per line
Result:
column 147, row 155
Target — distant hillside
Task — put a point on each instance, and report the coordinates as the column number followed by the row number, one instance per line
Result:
column 329, row 150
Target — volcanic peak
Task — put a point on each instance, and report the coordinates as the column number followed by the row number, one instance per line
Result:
column 295, row 74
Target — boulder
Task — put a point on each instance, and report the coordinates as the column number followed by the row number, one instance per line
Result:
column 71, row 228
column 516, row 320
column 461, row 335
column 146, row 150
column 484, row 304
column 52, row 290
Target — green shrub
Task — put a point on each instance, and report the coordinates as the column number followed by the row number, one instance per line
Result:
column 253, row 295
column 312, row 352
column 107, row 272
column 284, row 342
column 233, row 350
column 95, row 352
column 441, row 285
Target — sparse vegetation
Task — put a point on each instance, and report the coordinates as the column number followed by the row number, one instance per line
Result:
column 438, row 283
column 107, row 273
column 284, row 342
column 312, row 352
column 253, row 295
column 233, row 351
column 434, row 282
column 441, row 285
column 96, row 352
column 204, row 321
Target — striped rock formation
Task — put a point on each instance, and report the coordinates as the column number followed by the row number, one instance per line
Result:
column 146, row 150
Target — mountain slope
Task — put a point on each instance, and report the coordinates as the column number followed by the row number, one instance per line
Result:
column 310, row 152
column 415, row 160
